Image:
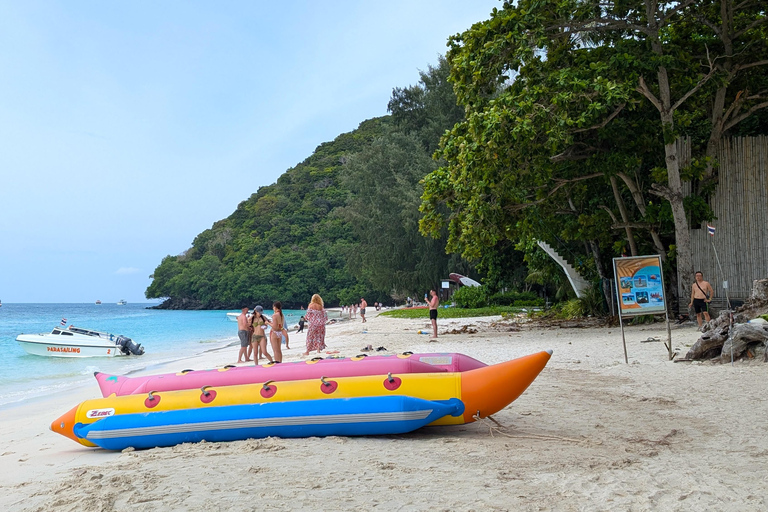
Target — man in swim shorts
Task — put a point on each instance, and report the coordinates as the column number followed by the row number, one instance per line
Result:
column 363, row 305
column 244, row 333
column 433, row 303
column 701, row 296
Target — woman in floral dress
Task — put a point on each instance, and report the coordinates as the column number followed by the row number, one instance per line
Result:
column 316, row 318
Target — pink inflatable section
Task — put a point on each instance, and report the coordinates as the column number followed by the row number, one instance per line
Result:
column 310, row 369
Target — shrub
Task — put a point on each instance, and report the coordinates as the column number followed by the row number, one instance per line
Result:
column 572, row 309
column 514, row 299
column 471, row 297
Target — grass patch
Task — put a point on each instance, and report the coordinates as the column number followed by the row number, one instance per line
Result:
column 452, row 312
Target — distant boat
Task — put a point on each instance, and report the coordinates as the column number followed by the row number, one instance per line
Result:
column 122, row 302
column 98, row 302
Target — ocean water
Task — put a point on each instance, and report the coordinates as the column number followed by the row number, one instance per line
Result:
column 165, row 335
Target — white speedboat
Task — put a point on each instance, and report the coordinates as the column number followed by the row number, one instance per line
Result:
column 121, row 302
column 232, row 317
column 98, row 303
column 78, row 342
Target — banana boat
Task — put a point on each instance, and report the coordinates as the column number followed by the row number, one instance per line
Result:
column 377, row 415
column 482, row 391
column 310, row 369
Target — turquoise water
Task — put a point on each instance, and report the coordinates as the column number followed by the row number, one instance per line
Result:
column 165, row 335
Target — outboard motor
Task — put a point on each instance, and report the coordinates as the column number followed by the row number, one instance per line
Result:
column 128, row 346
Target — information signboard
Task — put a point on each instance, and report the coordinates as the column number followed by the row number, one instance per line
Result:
column 639, row 285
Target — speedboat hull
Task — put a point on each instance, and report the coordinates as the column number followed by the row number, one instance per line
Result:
column 41, row 345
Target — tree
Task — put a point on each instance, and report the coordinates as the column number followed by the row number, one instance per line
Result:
column 550, row 88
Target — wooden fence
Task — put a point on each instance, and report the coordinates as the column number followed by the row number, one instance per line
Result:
column 740, row 205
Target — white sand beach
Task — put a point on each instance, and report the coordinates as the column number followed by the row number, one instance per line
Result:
column 591, row 433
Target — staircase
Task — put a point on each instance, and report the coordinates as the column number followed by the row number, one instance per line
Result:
column 579, row 284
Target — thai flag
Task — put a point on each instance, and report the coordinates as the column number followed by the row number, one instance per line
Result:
column 711, row 230
column 63, row 321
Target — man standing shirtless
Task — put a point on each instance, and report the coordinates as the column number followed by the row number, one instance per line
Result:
column 363, row 305
column 701, row 296
column 433, row 303
column 244, row 333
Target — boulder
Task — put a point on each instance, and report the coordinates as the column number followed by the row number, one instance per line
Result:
column 759, row 291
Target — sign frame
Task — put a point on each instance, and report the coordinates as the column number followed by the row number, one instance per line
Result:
column 644, row 275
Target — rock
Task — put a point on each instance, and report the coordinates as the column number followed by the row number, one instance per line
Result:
column 744, row 337
column 759, row 290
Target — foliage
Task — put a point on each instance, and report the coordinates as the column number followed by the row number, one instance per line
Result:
column 572, row 108
column 512, row 298
column 343, row 223
column 471, row 297
column 452, row 312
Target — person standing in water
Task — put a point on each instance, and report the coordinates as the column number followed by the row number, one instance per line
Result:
column 434, row 302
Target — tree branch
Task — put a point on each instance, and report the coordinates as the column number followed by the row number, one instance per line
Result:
column 736, row 120
column 643, row 89
column 560, row 184
column 696, row 87
column 605, row 122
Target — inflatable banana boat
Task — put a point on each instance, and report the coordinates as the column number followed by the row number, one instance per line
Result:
column 217, row 413
column 310, row 369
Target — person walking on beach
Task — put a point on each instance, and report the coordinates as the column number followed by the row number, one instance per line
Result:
column 259, row 339
column 701, row 295
column 244, row 333
column 433, row 303
column 316, row 317
column 363, row 305
column 301, row 324
column 275, row 337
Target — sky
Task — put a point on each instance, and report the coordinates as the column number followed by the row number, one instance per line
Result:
column 128, row 127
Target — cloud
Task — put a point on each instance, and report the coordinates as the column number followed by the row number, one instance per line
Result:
column 127, row 270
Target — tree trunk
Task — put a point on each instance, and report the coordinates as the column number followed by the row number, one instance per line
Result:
column 624, row 216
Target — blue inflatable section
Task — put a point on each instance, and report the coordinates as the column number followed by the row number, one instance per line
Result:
column 303, row 418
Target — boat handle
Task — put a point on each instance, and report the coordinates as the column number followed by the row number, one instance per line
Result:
column 408, row 353
column 205, row 391
column 322, row 379
column 316, row 359
column 186, row 371
column 230, row 366
column 266, row 385
column 151, row 396
column 361, row 355
column 389, row 378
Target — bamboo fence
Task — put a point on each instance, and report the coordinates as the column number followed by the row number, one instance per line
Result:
column 740, row 206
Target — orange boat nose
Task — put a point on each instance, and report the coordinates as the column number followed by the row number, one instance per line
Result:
column 65, row 425
column 509, row 380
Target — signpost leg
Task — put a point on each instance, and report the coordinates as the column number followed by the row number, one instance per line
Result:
column 623, row 341
column 669, row 337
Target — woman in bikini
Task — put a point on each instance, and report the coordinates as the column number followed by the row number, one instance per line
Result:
column 275, row 337
column 259, row 340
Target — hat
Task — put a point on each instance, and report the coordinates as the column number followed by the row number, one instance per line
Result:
column 259, row 309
